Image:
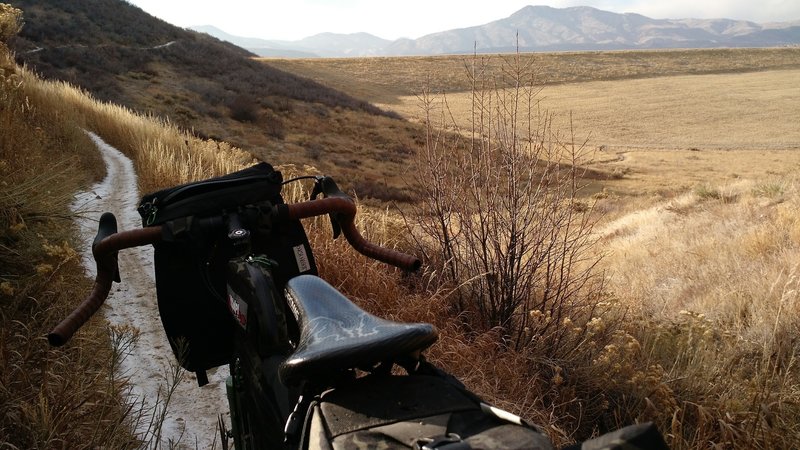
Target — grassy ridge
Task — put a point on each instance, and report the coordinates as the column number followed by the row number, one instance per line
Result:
column 384, row 79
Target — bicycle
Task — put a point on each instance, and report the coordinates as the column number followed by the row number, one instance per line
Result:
column 309, row 369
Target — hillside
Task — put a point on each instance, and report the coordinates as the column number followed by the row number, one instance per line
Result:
column 123, row 55
column 384, row 80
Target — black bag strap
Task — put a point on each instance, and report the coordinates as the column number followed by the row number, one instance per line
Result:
column 421, row 366
column 643, row 436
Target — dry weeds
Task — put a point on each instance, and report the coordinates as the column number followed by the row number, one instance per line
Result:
column 65, row 398
column 718, row 277
column 162, row 153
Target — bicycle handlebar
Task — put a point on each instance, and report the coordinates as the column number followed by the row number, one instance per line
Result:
column 105, row 247
column 345, row 210
column 109, row 242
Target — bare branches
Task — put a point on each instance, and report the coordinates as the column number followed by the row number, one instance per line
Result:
column 499, row 205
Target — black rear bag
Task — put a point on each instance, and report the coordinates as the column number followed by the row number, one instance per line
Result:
column 190, row 267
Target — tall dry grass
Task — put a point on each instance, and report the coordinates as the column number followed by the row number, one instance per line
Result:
column 162, row 153
column 716, row 274
column 65, row 398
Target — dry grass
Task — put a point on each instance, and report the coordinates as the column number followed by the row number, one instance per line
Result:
column 664, row 136
column 163, row 154
column 761, row 226
column 694, row 132
column 65, row 398
column 717, row 275
column 386, row 79
column 702, row 240
column 707, row 283
column 752, row 111
column 677, row 119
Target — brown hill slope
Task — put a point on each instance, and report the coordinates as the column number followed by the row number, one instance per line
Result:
column 122, row 55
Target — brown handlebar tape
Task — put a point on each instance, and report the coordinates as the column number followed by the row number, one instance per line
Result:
column 342, row 206
column 64, row 330
column 398, row 259
column 105, row 275
column 345, row 211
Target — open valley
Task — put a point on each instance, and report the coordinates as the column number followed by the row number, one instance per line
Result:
column 716, row 117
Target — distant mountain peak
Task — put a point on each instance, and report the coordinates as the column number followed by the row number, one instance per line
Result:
column 544, row 28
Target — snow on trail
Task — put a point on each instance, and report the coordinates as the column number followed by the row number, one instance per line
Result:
column 192, row 412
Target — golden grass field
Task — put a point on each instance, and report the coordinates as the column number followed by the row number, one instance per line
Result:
column 700, row 233
column 383, row 79
column 719, row 116
column 669, row 134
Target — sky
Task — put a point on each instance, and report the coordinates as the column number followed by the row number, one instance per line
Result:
column 296, row 19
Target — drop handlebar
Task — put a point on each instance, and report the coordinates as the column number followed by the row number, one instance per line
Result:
column 109, row 242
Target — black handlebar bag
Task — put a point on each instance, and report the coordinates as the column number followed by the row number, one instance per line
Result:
column 191, row 266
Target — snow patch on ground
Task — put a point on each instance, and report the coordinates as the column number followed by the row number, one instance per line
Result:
column 191, row 417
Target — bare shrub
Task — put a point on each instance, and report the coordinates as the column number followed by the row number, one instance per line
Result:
column 278, row 104
column 10, row 22
column 498, row 214
column 243, row 109
column 273, row 125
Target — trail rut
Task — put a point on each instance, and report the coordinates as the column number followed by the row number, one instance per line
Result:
column 192, row 412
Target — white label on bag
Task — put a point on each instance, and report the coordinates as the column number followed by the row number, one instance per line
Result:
column 238, row 308
column 301, row 257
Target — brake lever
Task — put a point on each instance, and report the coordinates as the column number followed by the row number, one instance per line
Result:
column 327, row 187
column 106, row 227
column 317, row 188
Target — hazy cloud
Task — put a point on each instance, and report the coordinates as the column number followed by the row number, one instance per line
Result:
column 756, row 11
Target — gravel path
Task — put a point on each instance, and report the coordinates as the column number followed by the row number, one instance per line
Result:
column 192, row 412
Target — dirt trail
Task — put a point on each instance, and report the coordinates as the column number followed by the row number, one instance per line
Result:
column 192, row 412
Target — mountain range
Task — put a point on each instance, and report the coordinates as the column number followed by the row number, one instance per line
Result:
column 537, row 28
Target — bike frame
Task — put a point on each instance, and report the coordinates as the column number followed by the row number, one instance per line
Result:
column 259, row 403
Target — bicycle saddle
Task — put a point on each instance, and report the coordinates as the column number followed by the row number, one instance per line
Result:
column 336, row 334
